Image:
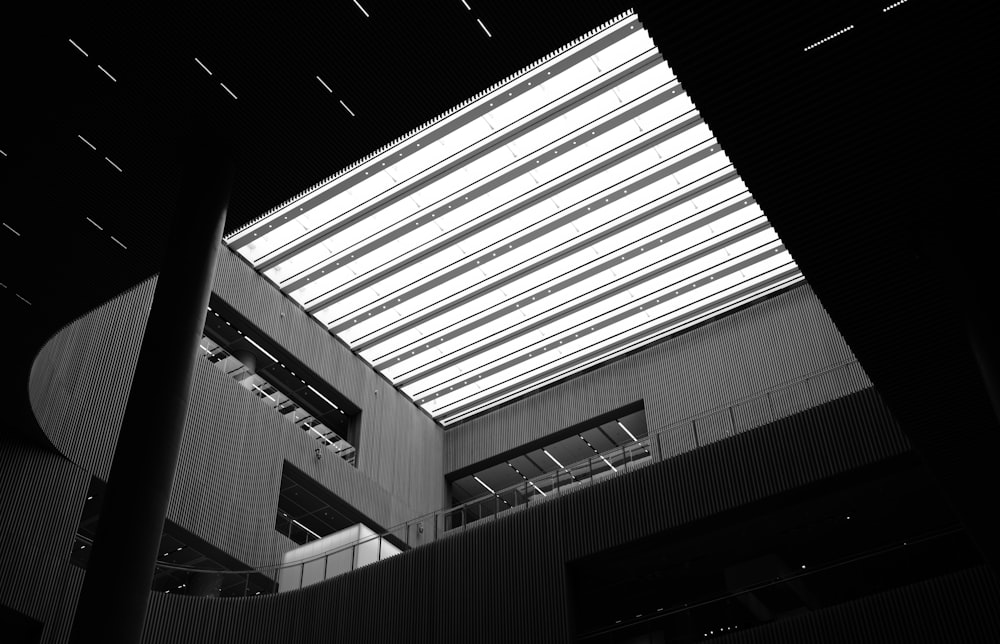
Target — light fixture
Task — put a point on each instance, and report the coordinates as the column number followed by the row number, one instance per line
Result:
column 484, row 485
column 553, row 458
column 630, row 435
column 262, row 349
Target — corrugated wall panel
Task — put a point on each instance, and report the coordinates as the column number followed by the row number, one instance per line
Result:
column 677, row 439
column 228, row 472
column 43, row 497
column 62, row 619
column 770, row 343
column 505, row 580
column 229, row 468
column 713, row 427
column 78, row 377
column 400, row 447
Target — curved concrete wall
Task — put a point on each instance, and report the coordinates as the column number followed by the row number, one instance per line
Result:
column 506, row 580
column 229, row 468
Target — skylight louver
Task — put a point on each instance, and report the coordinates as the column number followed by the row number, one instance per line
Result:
column 576, row 211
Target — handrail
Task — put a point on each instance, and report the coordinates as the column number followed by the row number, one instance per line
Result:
column 741, row 401
column 435, row 516
column 655, row 432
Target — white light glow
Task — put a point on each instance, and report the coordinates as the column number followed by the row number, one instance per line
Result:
column 262, row 349
column 313, row 389
column 553, row 458
column 484, row 485
column 570, row 214
column 630, row 435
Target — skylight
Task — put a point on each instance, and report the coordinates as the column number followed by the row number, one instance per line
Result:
column 574, row 212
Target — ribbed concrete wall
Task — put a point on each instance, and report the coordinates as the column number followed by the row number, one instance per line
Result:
column 770, row 343
column 400, row 447
column 43, row 496
column 229, row 468
column 506, row 581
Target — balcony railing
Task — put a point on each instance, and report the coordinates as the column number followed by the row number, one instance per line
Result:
column 660, row 444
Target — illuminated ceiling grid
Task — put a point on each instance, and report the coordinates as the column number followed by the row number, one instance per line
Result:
column 570, row 214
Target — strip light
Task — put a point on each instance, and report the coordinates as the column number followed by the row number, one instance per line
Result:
column 263, row 350
column 630, row 435
column 313, row 389
column 572, row 213
column 484, row 485
column 553, row 459
column 306, row 529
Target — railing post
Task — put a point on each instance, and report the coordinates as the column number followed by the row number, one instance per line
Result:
column 624, row 458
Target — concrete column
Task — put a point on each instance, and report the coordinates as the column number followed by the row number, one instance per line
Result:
column 116, row 589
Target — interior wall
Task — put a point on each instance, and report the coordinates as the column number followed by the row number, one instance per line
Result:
column 776, row 341
column 400, row 446
column 43, row 497
column 506, row 581
column 227, row 481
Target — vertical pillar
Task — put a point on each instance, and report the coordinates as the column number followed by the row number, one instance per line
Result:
column 116, row 589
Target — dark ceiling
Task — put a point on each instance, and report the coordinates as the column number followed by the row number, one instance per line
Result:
column 862, row 151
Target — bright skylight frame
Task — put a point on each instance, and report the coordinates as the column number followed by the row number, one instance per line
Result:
column 574, row 212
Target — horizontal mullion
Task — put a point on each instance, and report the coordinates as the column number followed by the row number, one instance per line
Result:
column 606, row 197
column 608, row 352
column 572, row 246
column 493, row 215
column 500, row 213
column 709, row 307
column 617, row 286
column 564, row 61
column 486, row 144
column 403, row 189
column 723, row 269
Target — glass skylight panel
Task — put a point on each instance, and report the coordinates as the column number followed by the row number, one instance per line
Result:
column 674, row 215
column 574, row 212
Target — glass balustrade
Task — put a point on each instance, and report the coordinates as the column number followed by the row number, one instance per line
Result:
column 806, row 392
